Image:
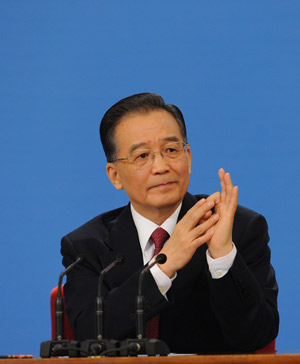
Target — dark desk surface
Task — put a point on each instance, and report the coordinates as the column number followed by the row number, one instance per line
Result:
column 193, row 359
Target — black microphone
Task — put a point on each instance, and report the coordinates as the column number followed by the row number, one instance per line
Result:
column 160, row 259
column 59, row 302
column 140, row 319
column 142, row 345
column 59, row 346
column 96, row 347
column 100, row 299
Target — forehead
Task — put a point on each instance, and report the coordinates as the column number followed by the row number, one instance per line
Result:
column 148, row 128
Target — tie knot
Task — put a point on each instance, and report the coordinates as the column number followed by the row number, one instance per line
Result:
column 159, row 237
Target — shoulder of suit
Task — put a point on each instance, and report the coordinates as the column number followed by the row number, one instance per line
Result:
column 98, row 225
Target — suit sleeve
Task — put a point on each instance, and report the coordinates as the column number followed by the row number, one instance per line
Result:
column 245, row 300
column 81, row 291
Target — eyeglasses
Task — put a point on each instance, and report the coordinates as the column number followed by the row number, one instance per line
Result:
column 142, row 157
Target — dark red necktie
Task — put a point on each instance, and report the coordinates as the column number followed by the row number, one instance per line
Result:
column 159, row 237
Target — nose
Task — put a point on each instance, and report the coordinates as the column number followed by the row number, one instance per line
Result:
column 159, row 152
column 159, row 164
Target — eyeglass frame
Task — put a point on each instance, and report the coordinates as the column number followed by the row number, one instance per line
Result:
column 185, row 145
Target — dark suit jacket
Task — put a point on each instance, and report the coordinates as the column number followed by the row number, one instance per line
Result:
column 237, row 313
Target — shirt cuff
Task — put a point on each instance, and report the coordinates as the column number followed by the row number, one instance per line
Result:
column 220, row 266
column 163, row 282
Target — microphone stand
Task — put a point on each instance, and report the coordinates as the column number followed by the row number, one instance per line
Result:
column 99, row 345
column 60, row 346
column 142, row 345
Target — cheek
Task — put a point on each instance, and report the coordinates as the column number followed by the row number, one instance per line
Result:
column 184, row 172
column 181, row 168
column 136, row 179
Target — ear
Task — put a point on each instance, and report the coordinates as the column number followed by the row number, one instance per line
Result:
column 113, row 175
column 189, row 155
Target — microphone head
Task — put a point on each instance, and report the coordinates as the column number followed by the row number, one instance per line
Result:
column 120, row 259
column 161, row 259
column 82, row 257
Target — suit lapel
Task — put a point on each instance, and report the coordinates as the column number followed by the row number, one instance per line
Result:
column 188, row 202
column 122, row 239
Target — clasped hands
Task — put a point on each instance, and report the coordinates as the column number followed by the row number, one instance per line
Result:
column 200, row 225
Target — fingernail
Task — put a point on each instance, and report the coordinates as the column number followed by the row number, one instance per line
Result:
column 210, row 203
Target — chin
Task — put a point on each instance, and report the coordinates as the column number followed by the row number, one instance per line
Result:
column 162, row 202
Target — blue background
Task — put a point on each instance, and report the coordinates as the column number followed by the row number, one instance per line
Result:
column 231, row 66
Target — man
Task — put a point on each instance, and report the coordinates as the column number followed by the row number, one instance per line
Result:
column 217, row 290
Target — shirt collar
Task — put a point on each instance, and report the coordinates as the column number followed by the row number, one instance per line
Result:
column 145, row 227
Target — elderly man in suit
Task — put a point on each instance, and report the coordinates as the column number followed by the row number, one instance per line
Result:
column 217, row 291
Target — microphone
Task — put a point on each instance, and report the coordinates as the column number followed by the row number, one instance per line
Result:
column 59, row 302
column 59, row 346
column 99, row 298
column 142, row 345
column 99, row 345
column 160, row 259
column 140, row 319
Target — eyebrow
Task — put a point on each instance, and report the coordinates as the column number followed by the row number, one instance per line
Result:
column 136, row 146
column 171, row 138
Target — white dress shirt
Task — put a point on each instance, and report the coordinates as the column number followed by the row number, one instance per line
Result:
column 217, row 267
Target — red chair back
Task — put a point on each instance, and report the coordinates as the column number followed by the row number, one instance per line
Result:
column 269, row 349
column 68, row 332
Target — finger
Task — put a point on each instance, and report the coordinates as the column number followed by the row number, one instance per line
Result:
column 223, row 186
column 196, row 213
column 232, row 192
column 228, row 187
column 231, row 200
column 216, row 197
column 221, row 173
column 211, row 231
column 234, row 200
column 201, row 229
column 206, row 216
column 202, row 239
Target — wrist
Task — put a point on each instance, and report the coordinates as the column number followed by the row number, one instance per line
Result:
column 167, row 270
column 221, row 252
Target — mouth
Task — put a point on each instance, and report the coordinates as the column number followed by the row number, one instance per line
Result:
column 163, row 185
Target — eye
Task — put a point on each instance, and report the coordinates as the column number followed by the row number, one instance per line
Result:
column 172, row 149
column 141, row 155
